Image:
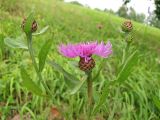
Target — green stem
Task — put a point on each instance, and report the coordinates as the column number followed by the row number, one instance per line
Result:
column 89, row 85
column 30, row 49
column 125, row 52
column 90, row 93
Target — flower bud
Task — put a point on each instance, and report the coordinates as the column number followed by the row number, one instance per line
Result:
column 86, row 65
column 34, row 25
column 129, row 38
column 127, row 26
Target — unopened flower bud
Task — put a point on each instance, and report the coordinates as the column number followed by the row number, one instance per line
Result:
column 86, row 65
column 129, row 38
column 34, row 25
column 127, row 26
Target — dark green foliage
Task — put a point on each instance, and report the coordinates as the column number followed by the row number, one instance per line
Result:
column 135, row 16
column 109, row 11
column 126, row 2
column 76, row 3
column 122, row 12
column 157, row 4
column 157, row 11
column 153, row 20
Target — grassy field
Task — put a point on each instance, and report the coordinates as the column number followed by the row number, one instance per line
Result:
column 136, row 97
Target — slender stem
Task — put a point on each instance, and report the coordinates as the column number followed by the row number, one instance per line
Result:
column 90, row 93
column 125, row 52
column 89, row 84
column 30, row 49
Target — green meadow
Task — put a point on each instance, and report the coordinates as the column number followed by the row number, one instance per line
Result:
column 126, row 85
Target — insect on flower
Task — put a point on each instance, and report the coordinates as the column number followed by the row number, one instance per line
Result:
column 85, row 52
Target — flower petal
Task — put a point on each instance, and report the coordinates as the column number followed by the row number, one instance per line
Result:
column 103, row 50
column 68, row 51
column 86, row 50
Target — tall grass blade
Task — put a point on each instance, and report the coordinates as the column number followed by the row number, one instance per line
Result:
column 156, row 101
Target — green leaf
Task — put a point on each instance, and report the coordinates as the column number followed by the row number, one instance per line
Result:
column 70, row 80
column 127, row 67
column 16, row 43
column 43, row 54
column 99, row 70
column 29, row 84
column 156, row 102
column 77, row 87
column 42, row 31
column 28, row 24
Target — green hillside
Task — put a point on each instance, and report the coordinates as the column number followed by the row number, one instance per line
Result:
column 137, row 97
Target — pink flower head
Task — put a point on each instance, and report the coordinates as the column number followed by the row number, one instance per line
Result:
column 86, row 50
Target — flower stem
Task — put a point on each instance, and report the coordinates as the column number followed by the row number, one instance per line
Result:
column 90, row 92
column 89, row 85
column 30, row 49
column 125, row 52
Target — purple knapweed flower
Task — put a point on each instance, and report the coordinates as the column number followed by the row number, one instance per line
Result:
column 85, row 52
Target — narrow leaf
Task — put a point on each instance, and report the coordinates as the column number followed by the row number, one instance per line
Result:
column 42, row 31
column 43, row 54
column 70, row 80
column 127, row 67
column 29, row 84
column 16, row 43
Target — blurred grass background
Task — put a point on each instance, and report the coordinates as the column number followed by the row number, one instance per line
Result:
column 138, row 98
